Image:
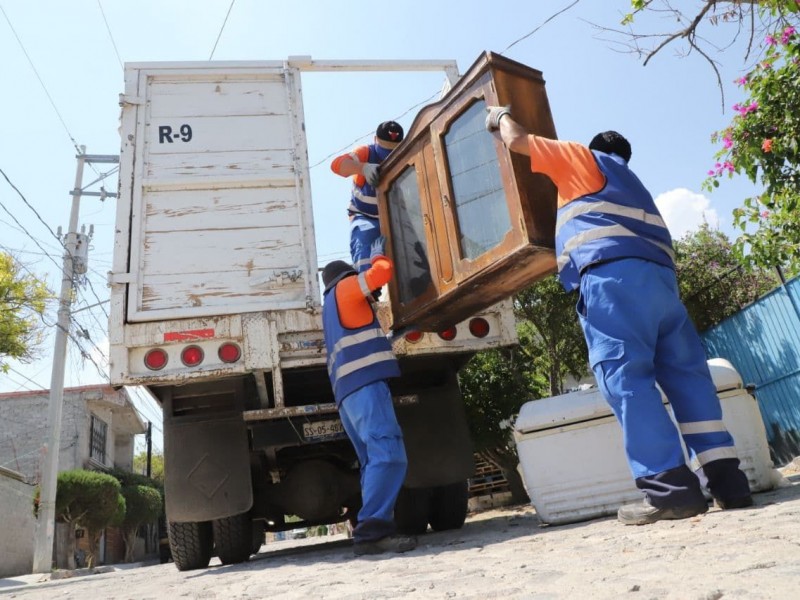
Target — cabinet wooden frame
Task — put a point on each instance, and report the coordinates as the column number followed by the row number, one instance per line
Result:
column 460, row 284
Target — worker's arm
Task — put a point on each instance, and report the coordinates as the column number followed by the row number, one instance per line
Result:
column 356, row 164
column 570, row 165
column 353, row 294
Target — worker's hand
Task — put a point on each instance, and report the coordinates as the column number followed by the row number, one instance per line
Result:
column 371, row 172
column 495, row 114
column 378, row 247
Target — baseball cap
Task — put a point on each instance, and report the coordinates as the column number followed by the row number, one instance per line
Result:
column 389, row 132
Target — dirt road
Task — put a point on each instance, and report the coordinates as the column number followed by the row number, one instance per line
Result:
column 506, row 553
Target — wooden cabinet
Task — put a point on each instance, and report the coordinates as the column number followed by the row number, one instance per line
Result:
column 467, row 222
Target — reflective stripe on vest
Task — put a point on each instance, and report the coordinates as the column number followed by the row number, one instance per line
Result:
column 356, row 357
column 619, row 221
column 364, row 198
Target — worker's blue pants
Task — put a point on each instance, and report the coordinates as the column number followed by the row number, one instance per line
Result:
column 639, row 333
column 370, row 422
column 363, row 231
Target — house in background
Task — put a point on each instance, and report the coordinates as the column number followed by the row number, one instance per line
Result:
column 98, row 428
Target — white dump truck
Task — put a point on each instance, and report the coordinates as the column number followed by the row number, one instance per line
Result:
column 215, row 308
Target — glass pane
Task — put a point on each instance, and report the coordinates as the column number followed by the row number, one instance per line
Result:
column 408, row 236
column 479, row 197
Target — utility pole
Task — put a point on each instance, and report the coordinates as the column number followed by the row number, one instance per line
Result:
column 74, row 256
column 149, row 447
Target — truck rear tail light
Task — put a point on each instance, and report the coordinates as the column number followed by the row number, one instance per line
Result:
column 229, row 353
column 448, row 334
column 192, row 356
column 479, row 327
column 155, row 359
column 413, row 336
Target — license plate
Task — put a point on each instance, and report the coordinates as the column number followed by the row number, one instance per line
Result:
column 323, row 429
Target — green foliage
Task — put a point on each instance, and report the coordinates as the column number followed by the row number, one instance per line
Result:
column 88, row 499
column 713, row 282
column 143, row 505
column 156, row 465
column 22, row 304
column 495, row 384
column 550, row 332
column 763, row 143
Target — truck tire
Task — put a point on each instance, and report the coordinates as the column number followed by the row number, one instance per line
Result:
column 411, row 510
column 190, row 544
column 233, row 538
column 258, row 537
column 449, row 506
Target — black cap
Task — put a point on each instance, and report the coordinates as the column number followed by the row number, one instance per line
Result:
column 334, row 272
column 390, row 132
column 612, row 142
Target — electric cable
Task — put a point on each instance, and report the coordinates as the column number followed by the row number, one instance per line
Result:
column 111, row 37
column 219, row 35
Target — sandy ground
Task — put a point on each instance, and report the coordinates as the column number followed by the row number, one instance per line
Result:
column 500, row 553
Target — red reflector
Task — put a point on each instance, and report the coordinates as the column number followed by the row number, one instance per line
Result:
column 448, row 334
column 155, row 359
column 192, row 356
column 479, row 327
column 229, row 353
column 413, row 336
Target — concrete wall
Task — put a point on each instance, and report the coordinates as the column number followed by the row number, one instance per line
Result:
column 16, row 524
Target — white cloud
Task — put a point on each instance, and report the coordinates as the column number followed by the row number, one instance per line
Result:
column 684, row 211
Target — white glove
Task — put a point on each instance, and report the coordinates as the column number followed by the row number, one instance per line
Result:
column 371, row 172
column 495, row 114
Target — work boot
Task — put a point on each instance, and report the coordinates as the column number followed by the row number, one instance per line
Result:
column 390, row 543
column 644, row 513
column 731, row 503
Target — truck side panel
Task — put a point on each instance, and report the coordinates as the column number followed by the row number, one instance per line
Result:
column 218, row 203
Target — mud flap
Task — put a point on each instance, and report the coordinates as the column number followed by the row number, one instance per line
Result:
column 207, row 467
column 437, row 437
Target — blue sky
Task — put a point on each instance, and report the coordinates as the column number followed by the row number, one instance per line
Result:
column 61, row 86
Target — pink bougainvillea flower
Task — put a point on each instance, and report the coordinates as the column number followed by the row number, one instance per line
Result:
column 740, row 81
column 728, row 166
column 770, row 40
column 787, row 34
column 727, row 142
column 765, row 214
column 766, row 146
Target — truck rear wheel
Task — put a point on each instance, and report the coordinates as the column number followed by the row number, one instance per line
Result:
column 233, row 538
column 411, row 510
column 449, row 506
column 258, row 537
column 190, row 544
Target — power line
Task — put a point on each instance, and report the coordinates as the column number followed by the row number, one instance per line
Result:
column 108, row 29
column 44, row 87
column 546, row 21
column 221, row 29
column 13, row 370
column 29, row 205
column 28, row 233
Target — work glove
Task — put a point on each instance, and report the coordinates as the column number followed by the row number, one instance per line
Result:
column 372, row 173
column 495, row 114
column 378, row 247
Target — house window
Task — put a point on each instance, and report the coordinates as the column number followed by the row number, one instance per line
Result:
column 97, row 442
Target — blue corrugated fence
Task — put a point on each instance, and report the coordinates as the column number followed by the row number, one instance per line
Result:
column 763, row 342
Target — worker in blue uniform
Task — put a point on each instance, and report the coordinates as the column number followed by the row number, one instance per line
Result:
column 613, row 245
column 363, row 164
column 360, row 360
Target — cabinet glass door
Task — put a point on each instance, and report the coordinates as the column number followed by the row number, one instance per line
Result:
column 480, row 201
column 408, row 236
